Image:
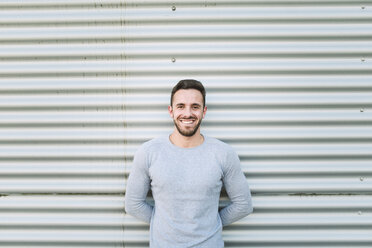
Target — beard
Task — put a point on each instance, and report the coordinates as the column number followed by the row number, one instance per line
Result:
column 187, row 132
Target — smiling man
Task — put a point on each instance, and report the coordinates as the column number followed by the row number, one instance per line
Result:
column 185, row 172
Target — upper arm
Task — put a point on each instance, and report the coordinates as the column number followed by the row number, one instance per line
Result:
column 234, row 179
column 138, row 183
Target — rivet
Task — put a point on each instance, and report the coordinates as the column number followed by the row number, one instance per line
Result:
column 360, row 212
column 363, row 59
column 361, row 179
column 173, row 60
column 362, row 110
column 173, row 8
column 363, row 7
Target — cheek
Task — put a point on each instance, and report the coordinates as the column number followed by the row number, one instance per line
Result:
column 175, row 114
column 200, row 115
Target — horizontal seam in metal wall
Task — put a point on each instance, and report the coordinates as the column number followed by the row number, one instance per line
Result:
column 169, row 39
column 282, row 55
column 154, row 4
column 194, row 21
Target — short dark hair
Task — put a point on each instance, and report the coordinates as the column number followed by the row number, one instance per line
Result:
column 188, row 84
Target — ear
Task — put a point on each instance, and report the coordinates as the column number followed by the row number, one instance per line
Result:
column 170, row 110
column 204, row 111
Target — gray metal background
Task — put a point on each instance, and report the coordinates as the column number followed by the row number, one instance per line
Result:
column 84, row 83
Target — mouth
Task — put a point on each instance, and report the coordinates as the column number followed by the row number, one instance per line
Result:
column 187, row 121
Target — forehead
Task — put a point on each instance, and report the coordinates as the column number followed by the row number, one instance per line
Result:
column 188, row 96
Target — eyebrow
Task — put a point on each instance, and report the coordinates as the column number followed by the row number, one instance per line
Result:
column 193, row 104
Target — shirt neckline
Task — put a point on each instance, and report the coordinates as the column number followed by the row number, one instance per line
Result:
column 173, row 146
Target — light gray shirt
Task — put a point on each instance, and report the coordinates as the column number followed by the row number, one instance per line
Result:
column 186, row 185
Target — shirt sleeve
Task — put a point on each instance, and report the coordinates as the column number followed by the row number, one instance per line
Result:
column 138, row 185
column 237, row 190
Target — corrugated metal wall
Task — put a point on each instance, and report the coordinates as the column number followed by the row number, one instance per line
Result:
column 84, row 83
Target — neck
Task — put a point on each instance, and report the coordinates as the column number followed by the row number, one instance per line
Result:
column 186, row 142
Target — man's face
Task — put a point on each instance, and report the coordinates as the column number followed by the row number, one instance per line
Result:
column 187, row 111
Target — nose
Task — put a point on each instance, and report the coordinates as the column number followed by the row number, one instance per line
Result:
column 187, row 112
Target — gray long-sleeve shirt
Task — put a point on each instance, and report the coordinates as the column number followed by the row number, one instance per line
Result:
column 186, row 185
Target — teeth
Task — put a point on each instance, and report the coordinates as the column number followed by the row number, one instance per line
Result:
column 187, row 122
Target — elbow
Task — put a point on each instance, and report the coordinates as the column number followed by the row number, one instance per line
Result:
column 129, row 207
column 247, row 208
column 138, row 209
column 248, row 204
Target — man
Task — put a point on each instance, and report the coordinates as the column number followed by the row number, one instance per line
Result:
column 185, row 172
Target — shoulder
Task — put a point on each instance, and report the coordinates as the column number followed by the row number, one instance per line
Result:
column 145, row 152
column 152, row 145
column 224, row 152
column 219, row 146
